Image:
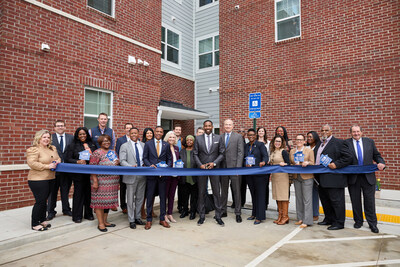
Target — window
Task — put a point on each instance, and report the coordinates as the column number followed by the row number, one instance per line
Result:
column 170, row 43
column 208, row 52
column 287, row 19
column 105, row 6
column 97, row 101
column 206, row 2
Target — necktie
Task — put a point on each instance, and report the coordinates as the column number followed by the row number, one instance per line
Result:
column 137, row 155
column 359, row 153
column 209, row 142
column 61, row 143
column 158, row 148
column 227, row 139
column 323, row 143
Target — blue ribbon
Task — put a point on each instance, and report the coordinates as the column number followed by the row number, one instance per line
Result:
column 149, row 171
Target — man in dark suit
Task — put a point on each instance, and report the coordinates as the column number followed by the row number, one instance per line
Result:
column 154, row 152
column 233, row 158
column 122, row 186
column 208, row 153
column 60, row 140
column 363, row 152
column 331, row 185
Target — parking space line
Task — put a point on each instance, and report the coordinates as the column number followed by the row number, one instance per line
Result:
column 340, row 239
column 272, row 249
column 355, row 264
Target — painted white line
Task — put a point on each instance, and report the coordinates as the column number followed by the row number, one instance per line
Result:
column 272, row 249
column 340, row 239
column 355, row 264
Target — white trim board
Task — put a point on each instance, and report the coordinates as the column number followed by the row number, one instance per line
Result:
column 92, row 25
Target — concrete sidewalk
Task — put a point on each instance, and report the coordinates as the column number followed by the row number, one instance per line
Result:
column 18, row 241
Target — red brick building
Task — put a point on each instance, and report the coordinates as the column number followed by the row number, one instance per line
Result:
column 340, row 65
column 84, row 72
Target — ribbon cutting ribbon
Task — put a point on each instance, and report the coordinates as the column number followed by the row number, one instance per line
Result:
column 149, row 171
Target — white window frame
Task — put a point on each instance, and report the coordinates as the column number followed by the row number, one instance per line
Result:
column 276, row 22
column 110, row 120
column 198, row 39
column 164, row 60
column 112, row 9
column 199, row 8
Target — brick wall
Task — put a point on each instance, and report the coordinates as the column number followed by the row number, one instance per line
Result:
column 179, row 90
column 37, row 87
column 343, row 70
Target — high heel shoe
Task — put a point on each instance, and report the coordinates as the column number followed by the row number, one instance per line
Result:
column 298, row 222
column 166, row 219
column 171, row 218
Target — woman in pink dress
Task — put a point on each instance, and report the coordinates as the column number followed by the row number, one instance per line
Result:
column 104, row 187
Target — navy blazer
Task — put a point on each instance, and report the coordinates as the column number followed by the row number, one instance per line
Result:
column 258, row 150
column 370, row 154
column 67, row 141
column 340, row 156
column 120, row 141
column 150, row 153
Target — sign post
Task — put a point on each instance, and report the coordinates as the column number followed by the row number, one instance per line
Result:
column 254, row 107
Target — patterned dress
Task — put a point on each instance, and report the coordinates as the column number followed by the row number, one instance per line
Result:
column 106, row 196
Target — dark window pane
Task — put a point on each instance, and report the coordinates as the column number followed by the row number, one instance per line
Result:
column 217, row 58
column 104, row 6
column 163, row 51
column 289, row 28
column 205, row 61
column 205, row 2
column 172, row 55
column 162, row 34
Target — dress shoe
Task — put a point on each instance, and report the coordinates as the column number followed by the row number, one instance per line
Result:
column 124, row 211
column 139, row 222
column 298, row 222
column 374, row 229
column 89, row 218
column 110, row 225
column 332, row 227
column 165, row 224
column 251, row 218
column 233, row 205
column 132, row 225
column 114, row 209
column 315, row 218
column 77, row 221
column 67, row 213
column 224, row 215
column 220, row 222
column 257, row 222
column 200, row 221
column 147, row 226
column 102, row 230
column 46, row 224
column 171, row 219
column 183, row 214
column 50, row 216
column 357, row 225
column 303, row 226
column 192, row 216
column 324, row 223
column 238, row 218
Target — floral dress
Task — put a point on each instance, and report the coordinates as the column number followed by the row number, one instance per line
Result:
column 106, row 196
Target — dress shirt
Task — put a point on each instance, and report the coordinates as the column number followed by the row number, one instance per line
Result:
column 320, row 149
column 355, row 146
column 59, row 139
column 155, row 144
column 208, row 145
column 140, row 149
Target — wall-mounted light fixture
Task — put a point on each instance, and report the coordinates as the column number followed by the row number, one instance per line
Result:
column 45, row 47
column 131, row 60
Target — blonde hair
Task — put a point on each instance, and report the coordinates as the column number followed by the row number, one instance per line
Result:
column 168, row 135
column 38, row 136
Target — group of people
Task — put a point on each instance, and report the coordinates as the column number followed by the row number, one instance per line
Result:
column 206, row 150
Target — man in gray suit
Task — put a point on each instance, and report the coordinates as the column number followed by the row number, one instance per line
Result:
column 208, row 153
column 233, row 158
column 131, row 154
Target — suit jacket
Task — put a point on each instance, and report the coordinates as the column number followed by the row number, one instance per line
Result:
column 120, row 141
column 150, row 153
column 258, row 150
column 308, row 156
column 216, row 154
column 340, row 156
column 370, row 154
column 67, row 140
column 233, row 156
column 127, row 157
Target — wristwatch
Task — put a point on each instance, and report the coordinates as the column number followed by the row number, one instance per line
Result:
column 215, row 164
